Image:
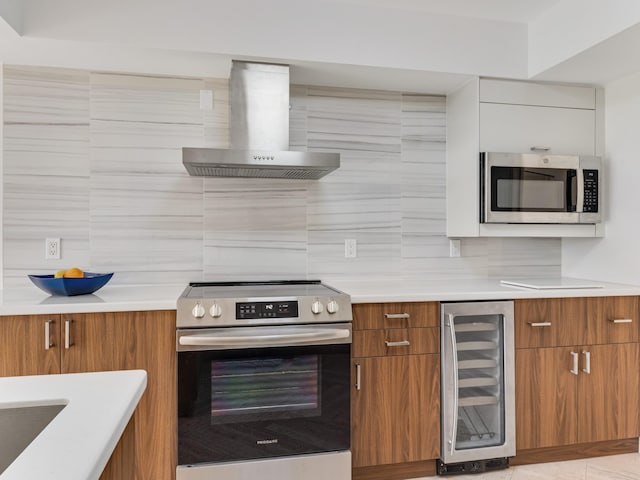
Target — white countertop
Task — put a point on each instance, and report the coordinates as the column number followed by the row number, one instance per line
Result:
column 375, row 291
column 117, row 298
column 78, row 442
column 110, row 298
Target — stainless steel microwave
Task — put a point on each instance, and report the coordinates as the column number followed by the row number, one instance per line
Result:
column 540, row 188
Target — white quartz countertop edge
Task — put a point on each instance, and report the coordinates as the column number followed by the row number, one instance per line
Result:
column 79, row 441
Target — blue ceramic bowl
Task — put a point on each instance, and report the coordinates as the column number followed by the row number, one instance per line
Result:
column 71, row 286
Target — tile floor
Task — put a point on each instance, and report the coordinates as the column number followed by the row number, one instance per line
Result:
column 615, row 467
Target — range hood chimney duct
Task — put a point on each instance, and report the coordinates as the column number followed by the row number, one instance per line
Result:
column 259, row 123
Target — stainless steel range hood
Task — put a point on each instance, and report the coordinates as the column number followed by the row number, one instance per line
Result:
column 259, row 98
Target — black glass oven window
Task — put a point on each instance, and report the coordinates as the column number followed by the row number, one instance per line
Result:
column 282, row 387
column 262, row 403
column 526, row 189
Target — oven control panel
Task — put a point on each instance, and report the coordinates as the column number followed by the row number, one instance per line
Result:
column 256, row 310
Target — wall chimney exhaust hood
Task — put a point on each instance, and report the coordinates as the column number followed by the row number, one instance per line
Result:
column 259, row 123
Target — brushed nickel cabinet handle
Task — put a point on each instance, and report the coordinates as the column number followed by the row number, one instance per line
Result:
column 402, row 343
column 622, row 320
column 574, row 370
column 396, row 315
column 67, row 334
column 540, row 149
column 47, row 334
column 539, row 324
column 587, row 362
column 357, row 376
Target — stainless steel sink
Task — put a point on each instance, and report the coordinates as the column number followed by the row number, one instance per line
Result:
column 20, row 426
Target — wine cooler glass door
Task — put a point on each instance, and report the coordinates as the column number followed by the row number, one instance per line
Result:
column 477, row 372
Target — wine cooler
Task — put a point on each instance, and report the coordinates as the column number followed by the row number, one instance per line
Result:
column 478, row 405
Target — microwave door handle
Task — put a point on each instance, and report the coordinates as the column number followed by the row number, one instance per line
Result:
column 580, row 188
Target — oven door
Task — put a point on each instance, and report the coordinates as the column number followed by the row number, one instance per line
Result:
column 262, row 392
column 530, row 188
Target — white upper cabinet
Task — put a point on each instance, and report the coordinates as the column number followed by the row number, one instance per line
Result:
column 521, row 117
column 539, row 94
column 490, row 115
column 524, row 128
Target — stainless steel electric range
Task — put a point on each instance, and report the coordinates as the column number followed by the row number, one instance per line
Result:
column 264, row 381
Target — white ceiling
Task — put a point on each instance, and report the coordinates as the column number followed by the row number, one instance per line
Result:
column 522, row 11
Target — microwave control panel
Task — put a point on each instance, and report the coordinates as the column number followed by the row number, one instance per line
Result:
column 590, row 191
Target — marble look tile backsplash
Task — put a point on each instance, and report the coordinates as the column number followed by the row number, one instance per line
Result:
column 95, row 159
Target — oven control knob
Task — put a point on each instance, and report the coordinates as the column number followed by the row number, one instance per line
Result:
column 316, row 307
column 198, row 311
column 215, row 311
column 333, row 307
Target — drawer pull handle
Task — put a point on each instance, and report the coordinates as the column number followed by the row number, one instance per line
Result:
column 402, row 343
column 540, row 324
column 358, row 378
column 397, row 315
column 587, row 361
column 67, row 334
column 622, row 320
column 574, row 370
column 47, row 334
column 540, row 149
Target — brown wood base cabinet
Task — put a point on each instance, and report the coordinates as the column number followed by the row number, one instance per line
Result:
column 396, row 393
column 91, row 342
column 576, row 393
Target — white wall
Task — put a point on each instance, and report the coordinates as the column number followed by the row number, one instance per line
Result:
column 574, row 26
column 616, row 257
column 1, row 170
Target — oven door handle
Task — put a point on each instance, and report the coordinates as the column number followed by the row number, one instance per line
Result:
column 306, row 336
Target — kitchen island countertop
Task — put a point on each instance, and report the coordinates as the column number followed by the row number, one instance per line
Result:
column 78, row 442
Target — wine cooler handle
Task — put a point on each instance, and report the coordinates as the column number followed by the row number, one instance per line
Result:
column 454, row 355
column 358, row 376
column 574, row 370
column 587, row 362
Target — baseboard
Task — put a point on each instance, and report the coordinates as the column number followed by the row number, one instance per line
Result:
column 395, row 471
column 574, row 452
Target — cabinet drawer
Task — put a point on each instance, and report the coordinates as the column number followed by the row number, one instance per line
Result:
column 395, row 341
column 518, row 128
column 395, row 315
column 615, row 319
column 552, row 322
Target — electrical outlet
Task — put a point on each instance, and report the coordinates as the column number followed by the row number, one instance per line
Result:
column 350, row 248
column 52, row 248
column 454, row 248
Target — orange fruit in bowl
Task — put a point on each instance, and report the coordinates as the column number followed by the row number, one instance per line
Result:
column 74, row 272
